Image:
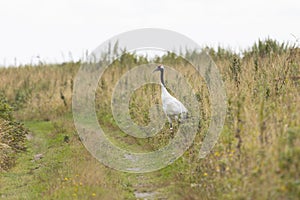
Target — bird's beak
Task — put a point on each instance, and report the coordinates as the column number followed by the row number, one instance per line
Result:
column 155, row 70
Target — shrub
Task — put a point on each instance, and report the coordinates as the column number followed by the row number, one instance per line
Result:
column 12, row 135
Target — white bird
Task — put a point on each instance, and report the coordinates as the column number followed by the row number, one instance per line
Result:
column 172, row 107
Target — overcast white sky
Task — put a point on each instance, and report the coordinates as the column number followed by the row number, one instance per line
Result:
column 53, row 28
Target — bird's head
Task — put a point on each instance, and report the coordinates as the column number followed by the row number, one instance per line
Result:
column 159, row 68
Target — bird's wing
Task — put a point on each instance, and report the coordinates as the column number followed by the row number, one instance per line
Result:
column 172, row 106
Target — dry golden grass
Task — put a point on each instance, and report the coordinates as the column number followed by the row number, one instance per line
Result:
column 257, row 155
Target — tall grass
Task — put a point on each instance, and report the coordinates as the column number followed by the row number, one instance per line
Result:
column 39, row 92
column 257, row 155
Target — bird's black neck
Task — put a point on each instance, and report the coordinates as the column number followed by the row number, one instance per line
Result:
column 162, row 77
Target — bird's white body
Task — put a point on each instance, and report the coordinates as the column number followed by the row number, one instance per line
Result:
column 171, row 106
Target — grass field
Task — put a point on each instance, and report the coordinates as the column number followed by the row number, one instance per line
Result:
column 256, row 157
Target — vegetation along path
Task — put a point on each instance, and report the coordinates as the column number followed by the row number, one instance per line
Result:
column 256, row 157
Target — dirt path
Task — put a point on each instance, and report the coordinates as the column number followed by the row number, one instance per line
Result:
column 47, row 170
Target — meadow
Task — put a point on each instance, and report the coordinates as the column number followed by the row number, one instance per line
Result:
column 257, row 155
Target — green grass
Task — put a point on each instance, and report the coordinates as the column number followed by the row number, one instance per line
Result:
column 19, row 183
column 67, row 171
column 56, row 175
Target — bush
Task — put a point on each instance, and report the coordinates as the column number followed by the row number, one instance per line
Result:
column 5, row 109
column 12, row 136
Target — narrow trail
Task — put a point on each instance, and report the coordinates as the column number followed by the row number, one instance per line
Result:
column 148, row 187
column 27, row 179
column 16, row 182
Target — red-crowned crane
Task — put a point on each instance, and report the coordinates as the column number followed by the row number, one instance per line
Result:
column 171, row 106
